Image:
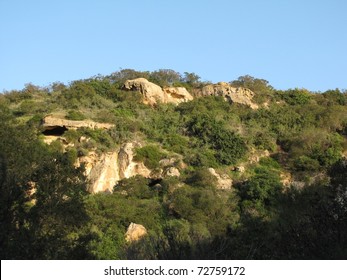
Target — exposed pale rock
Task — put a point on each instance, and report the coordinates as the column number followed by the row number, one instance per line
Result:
column 177, row 95
column 103, row 174
column 105, row 170
column 30, row 191
column 127, row 166
column 152, row 93
column 167, row 162
column 135, row 232
column 50, row 122
column 286, row 179
column 172, row 172
column 257, row 155
column 224, row 182
column 231, row 94
column 83, row 139
column 240, row 169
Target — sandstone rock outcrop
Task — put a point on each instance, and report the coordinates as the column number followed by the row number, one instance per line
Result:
column 231, row 94
column 135, row 232
column 152, row 93
column 49, row 123
column 127, row 166
column 224, row 182
column 172, row 172
column 177, row 95
column 103, row 173
column 105, row 170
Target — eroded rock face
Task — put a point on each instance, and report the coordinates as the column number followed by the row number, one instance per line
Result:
column 177, row 95
column 153, row 94
column 105, row 170
column 127, row 166
column 49, row 123
column 224, row 182
column 135, row 232
column 231, row 94
column 103, row 173
column 172, row 172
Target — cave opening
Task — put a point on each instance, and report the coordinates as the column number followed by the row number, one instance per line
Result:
column 55, row 131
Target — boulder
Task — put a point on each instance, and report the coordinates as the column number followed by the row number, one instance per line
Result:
column 152, row 93
column 177, row 95
column 135, row 232
column 240, row 169
column 224, row 182
column 232, row 94
column 172, row 172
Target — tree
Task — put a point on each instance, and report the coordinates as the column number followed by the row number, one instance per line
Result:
column 191, row 78
column 254, row 84
column 165, row 77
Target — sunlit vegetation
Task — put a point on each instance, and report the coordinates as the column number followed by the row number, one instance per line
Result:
column 262, row 217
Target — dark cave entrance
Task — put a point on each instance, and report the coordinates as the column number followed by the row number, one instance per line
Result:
column 55, row 131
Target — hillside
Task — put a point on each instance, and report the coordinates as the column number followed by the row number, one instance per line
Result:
column 161, row 165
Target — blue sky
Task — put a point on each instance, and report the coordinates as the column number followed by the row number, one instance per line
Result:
column 290, row 43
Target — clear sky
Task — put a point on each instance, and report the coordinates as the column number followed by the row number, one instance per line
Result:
column 290, row 43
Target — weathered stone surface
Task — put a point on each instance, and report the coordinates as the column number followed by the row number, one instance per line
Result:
column 105, row 170
column 255, row 155
column 104, row 175
column 152, row 93
column 224, row 182
column 240, row 168
column 50, row 122
column 135, row 232
column 172, row 172
column 177, row 95
column 127, row 166
column 286, row 178
column 231, row 94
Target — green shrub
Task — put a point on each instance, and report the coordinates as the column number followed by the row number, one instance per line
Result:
column 228, row 146
column 135, row 187
column 305, row 163
column 150, row 155
column 75, row 115
column 202, row 178
column 296, row 96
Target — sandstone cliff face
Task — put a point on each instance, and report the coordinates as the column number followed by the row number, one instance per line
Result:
column 105, row 170
column 127, row 166
column 104, row 174
column 229, row 93
column 53, row 128
column 152, row 93
column 50, row 122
